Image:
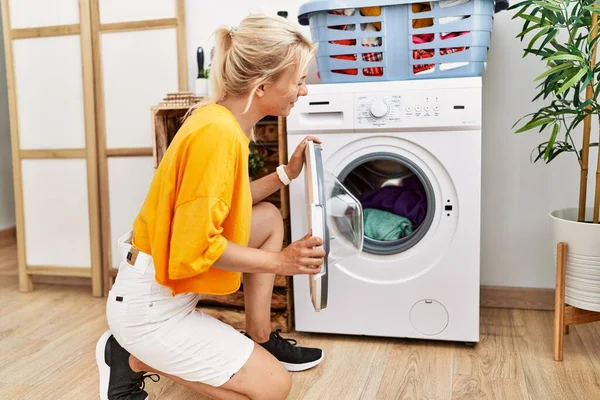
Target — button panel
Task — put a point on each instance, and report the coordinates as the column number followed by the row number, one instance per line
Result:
column 380, row 110
column 416, row 109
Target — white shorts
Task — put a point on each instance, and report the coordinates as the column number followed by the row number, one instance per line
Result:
column 167, row 332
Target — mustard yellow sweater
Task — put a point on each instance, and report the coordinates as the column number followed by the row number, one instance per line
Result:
column 198, row 199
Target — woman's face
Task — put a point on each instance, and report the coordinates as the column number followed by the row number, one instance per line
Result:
column 279, row 97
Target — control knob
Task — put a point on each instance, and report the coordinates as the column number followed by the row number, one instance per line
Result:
column 379, row 109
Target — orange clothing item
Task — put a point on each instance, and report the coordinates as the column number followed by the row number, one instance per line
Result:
column 199, row 199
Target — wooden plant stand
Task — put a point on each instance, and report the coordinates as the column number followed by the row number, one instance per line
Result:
column 566, row 315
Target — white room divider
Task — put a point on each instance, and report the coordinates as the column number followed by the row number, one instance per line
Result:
column 82, row 76
column 48, row 48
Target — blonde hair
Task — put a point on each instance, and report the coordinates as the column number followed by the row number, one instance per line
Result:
column 255, row 53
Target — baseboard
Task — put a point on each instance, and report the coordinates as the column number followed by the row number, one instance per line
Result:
column 8, row 233
column 62, row 280
column 517, row 297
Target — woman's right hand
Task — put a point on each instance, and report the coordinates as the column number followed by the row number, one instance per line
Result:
column 302, row 257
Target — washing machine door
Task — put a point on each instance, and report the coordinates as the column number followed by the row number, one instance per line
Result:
column 335, row 215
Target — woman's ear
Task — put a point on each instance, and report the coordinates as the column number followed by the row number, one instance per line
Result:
column 260, row 91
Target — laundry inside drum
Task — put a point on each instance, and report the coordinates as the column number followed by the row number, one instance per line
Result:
column 397, row 201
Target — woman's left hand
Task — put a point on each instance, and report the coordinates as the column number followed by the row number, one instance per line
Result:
column 296, row 162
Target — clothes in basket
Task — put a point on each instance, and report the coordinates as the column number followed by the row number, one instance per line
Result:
column 365, row 42
column 421, row 54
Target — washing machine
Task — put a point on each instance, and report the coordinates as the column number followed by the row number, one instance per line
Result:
column 394, row 191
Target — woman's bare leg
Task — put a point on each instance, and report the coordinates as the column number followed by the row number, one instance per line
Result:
column 267, row 234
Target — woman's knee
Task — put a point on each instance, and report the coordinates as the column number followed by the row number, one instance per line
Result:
column 279, row 386
column 267, row 210
column 269, row 214
column 283, row 386
column 262, row 377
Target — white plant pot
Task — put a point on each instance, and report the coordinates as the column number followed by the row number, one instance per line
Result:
column 202, row 87
column 582, row 282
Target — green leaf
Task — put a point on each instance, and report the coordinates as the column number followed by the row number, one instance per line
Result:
column 542, row 53
column 548, row 89
column 551, row 35
column 596, row 91
column 525, row 116
column 526, row 31
column 553, row 70
column 538, row 35
column 522, row 4
column 540, row 94
column 565, row 56
column 586, row 82
column 530, row 18
column 555, row 130
column 595, row 10
column 521, row 12
column 547, row 6
column 593, row 42
column 574, row 49
column 535, row 123
column 571, row 81
column 559, row 47
column 583, row 105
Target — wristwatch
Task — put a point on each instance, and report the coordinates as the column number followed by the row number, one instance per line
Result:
column 282, row 175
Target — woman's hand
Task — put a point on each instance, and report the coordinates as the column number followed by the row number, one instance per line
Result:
column 302, row 257
column 296, row 162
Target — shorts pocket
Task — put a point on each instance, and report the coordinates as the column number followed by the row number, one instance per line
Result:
column 115, row 315
column 128, row 317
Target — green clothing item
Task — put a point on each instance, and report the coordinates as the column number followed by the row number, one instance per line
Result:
column 385, row 226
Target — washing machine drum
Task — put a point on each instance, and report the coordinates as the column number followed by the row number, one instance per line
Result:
column 397, row 198
column 335, row 215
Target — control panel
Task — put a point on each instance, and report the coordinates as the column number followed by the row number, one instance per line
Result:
column 387, row 107
column 415, row 109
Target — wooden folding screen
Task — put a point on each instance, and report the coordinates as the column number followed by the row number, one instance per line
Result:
column 82, row 75
column 48, row 49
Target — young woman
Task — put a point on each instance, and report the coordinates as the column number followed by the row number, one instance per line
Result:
column 203, row 226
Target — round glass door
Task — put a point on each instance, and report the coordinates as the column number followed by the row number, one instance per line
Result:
column 344, row 221
column 397, row 199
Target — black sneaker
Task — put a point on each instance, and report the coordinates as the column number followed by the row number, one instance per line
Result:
column 294, row 358
column 117, row 380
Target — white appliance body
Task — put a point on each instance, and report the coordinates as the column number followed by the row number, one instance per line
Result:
column 430, row 289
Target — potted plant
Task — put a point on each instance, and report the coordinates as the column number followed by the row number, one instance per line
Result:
column 256, row 163
column 203, row 83
column 564, row 34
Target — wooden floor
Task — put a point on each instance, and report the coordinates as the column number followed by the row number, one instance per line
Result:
column 47, row 340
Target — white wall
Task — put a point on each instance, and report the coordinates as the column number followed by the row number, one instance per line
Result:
column 7, row 208
column 201, row 21
column 518, row 195
column 516, row 239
